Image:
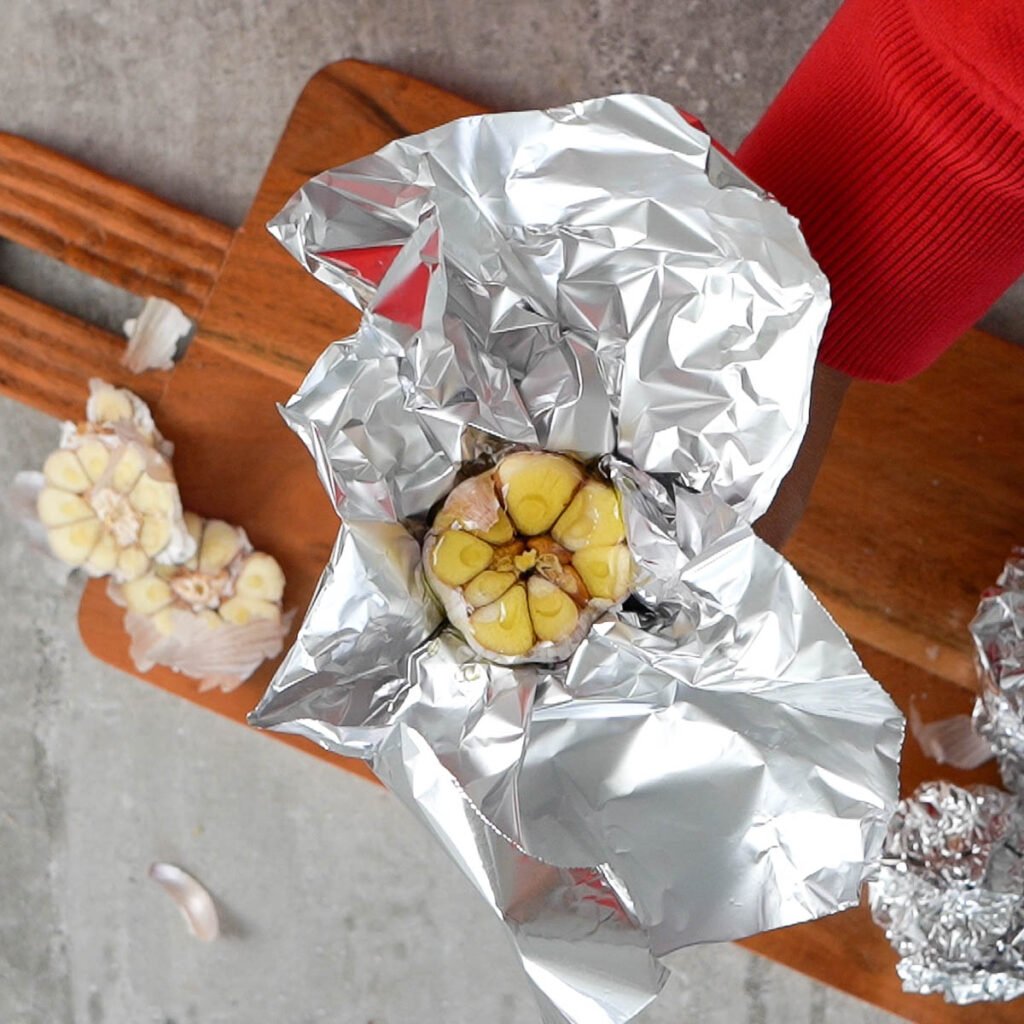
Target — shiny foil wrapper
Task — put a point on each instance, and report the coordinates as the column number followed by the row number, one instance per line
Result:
column 713, row 760
column 998, row 632
column 950, row 893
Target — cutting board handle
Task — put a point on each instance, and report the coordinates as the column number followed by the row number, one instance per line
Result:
column 103, row 227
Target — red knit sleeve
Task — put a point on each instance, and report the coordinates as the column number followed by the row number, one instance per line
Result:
column 899, row 144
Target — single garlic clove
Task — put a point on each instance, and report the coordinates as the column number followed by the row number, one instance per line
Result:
column 164, row 620
column 74, row 543
column 94, row 456
column 63, row 470
column 58, row 508
column 554, row 614
column 132, row 563
column 593, row 519
column 194, row 524
column 128, row 469
column 536, row 488
column 606, row 571
column 487, row 587
column 242, row 610
column 103, row 559
column 459, row 556
column 221, row 542
column 194, row 902
column 260, row 577
column 154, row 534
column 147, row 595
column 504, row 626
column 108, row 405
column 151, row 496
column 500, row 533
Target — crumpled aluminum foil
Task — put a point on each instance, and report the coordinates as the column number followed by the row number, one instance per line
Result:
column 713, row 760
column 950, row 894
column 998, row 632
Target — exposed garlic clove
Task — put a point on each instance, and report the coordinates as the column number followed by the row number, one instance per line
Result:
column 459, row 556
column 593, row 519
column 154, row 534
column 132, row 563
column 260, row 577
column 94, row 456
column 504, row 626
column 58, row 508
column 128, row 469
column 194, row 525
column 488, row 587
column 63, row 470
column 103, row 559
column 108, row 405
column 221, row 542
column 536, row 488
column 241, row 610
column 150, row 496
column 554, row 614
column 606, row 571
column 74, row 543
column 146, row 595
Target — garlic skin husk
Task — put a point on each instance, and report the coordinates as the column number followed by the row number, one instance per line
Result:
column 215, row 618
column 494, row 537
column 109, row 501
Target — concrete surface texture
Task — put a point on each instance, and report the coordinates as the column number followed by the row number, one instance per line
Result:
column 336, row 907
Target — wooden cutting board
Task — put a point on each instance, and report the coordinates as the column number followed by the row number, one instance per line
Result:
column 914, row 513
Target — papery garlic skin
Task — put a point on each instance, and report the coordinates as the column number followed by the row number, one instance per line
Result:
column 526, row 556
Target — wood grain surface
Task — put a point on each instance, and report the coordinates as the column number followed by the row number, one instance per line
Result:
column 915, row 511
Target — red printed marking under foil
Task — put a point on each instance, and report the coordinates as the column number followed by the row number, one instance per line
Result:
column 404, row 303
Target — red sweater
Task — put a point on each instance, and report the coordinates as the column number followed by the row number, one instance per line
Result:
column 899, row 144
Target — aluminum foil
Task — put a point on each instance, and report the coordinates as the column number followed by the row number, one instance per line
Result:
column 713, row 760
column 998, row 632
column 950, row 894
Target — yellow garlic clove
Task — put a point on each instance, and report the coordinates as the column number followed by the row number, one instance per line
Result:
column 108, row 405
column 239, row 611
column 151, row 496
column 536, row 488
column 94, row 456
column 74, row 543
column 260, row 577
column 221, row 542
column 58, row 508
column 606, row 571
column 103, row 559
column 154, row 534
column 147, row 594
column 62, row 469
column 128, row 469
column 459, row 556
column 132, row 563
column 593, row 519
column 194, row 524
column 488, row 587
column 504, row 626
column 554, row 614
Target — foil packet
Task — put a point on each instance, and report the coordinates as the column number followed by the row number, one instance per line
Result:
column 998, row 632
column 713, row 760
column 950, row 892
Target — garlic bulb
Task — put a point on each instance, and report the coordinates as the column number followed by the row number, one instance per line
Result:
column 526, row 556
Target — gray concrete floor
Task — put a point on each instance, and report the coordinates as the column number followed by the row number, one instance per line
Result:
column 337, row 908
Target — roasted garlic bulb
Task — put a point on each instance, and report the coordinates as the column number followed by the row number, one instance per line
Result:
column 527, row 555
column 109, row 501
